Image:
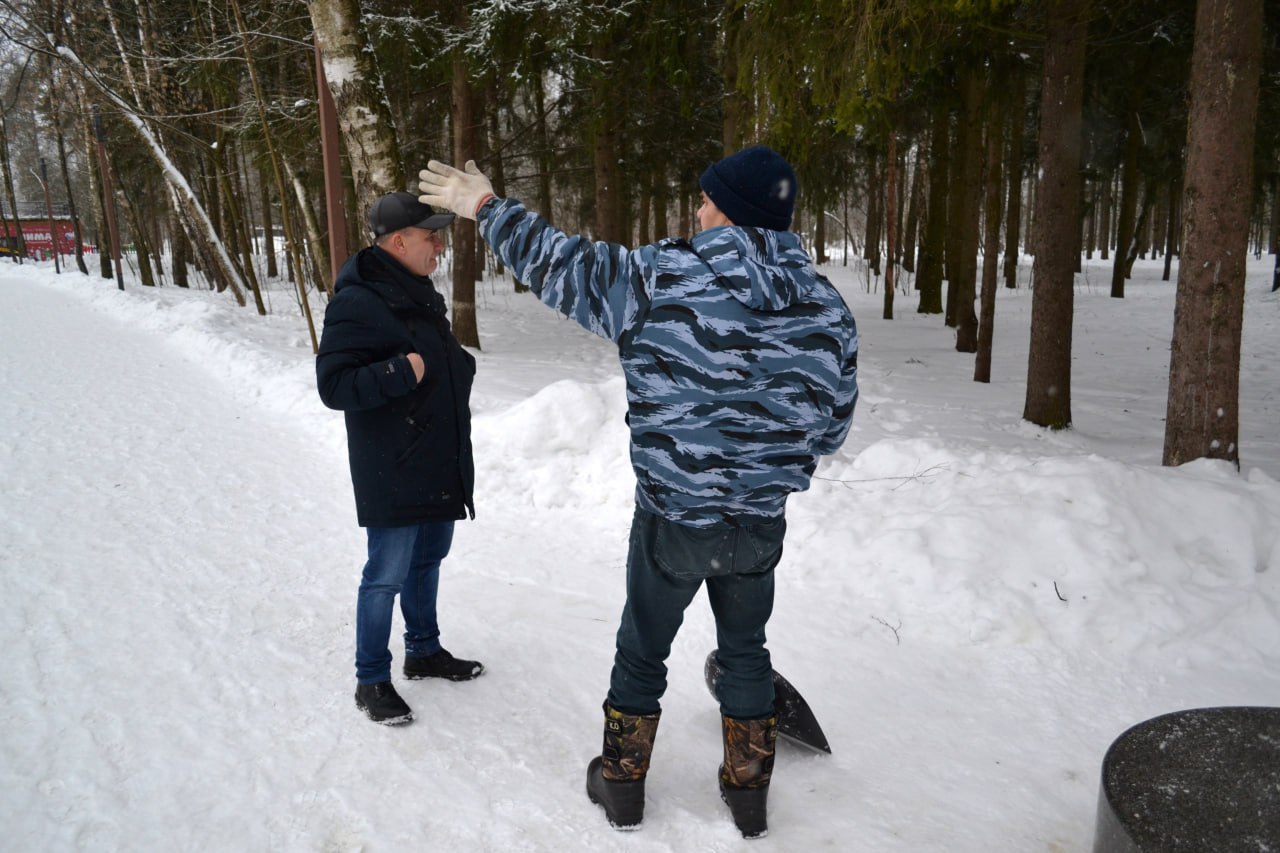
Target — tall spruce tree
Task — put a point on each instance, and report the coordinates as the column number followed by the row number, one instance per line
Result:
column 1057, row 215
column 1204, row 365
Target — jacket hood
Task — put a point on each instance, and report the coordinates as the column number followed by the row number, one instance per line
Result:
column 765, row 270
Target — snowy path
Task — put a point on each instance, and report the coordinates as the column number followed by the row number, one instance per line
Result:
column 184, row 567
column 160, row 613
column 975, row 608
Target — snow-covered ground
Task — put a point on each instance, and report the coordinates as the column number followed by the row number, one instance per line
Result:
column 974, row 607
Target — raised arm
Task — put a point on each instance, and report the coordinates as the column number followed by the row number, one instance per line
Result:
column 602, row 286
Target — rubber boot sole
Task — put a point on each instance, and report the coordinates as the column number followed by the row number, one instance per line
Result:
column 623, row 802
column 749, row 807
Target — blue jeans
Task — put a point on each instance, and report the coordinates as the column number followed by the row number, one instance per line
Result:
column 666, row 564
column 403, row 561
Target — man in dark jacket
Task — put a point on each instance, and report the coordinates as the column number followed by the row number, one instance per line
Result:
column 390, row 362
column 741, row 364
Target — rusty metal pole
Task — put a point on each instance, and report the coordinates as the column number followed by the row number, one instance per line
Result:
column 335, row 207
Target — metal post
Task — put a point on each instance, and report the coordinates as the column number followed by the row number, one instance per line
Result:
column 48, row 210
column 108, row 196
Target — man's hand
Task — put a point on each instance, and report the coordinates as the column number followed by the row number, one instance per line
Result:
column 453, row 189
column 419, row 368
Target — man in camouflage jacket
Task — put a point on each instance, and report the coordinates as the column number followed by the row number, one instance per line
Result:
column 741, row 370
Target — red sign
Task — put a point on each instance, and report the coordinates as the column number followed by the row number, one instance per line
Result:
column 36, row 234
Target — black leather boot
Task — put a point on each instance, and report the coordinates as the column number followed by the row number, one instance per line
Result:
column 747, row 770
column 382, row 704
column 615, row 778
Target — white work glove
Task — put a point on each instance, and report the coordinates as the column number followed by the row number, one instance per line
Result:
column 453, row 189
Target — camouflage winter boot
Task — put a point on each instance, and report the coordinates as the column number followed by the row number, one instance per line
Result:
column 615, row 779
column 747, row 769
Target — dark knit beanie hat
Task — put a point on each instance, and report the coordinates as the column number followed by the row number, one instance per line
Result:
column 754, row 187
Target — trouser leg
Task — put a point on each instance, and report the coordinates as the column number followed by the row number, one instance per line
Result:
column 742, row 605
column 650, row 620
column 390, row 554
column 418, row 597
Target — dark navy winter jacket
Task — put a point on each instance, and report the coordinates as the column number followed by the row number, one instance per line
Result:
column 741, row 360
column 409, row 443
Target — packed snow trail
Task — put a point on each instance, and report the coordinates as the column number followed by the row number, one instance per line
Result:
column 177, row 630
column 180, row 568
column 974, row 608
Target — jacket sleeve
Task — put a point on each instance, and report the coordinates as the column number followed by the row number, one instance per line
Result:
column 846, row 398
column 351, row 372
column 604, row 287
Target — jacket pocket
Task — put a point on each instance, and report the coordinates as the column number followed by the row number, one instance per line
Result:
column 419, row 437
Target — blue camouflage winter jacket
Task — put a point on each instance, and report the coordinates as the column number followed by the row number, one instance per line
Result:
column 741, row 361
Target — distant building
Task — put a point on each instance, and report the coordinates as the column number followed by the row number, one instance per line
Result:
column 39, row 240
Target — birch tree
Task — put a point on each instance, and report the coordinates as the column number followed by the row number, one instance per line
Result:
column 364, row 115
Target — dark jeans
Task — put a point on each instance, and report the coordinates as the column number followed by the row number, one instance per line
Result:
column 666, row 564
column 403, row 561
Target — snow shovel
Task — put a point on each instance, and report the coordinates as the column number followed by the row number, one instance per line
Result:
column 796, row 722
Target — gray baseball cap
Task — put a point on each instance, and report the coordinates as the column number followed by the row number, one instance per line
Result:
column 397, row 210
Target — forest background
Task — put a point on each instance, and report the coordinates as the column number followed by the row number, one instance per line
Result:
column 194, row 137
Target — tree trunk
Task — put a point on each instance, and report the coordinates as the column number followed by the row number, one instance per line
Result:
column 496, row 164
column 874, row 214
column 1140, row 226
column 1173, row 225
column 317, row 246
column 932, row 245
column 181, row 249
column 238, row 230
column 1013, row 179
column 268, row 226
column 95, row 183
column 1203, row 418
column 56, row 102
column 465, row 328
column 644, row 225
column 819, row 238
column 735, row 106
column 991, row 243
column 1127, row 229
column 918, row 179
column 899, row 223
column 1275, row 230
column 605, row 152
column 141, row 245
column 871, row 245
column 661, row 196
column 20, row 242
column 359, row 97
column 292, row 245
column 156, row 237
column 1091, row 219
column 962, row 218
column 890, row 220
column 1056, row 216
column 543, row 148
column 1105, row 225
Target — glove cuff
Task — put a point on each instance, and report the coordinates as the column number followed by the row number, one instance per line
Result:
column 476, row 213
